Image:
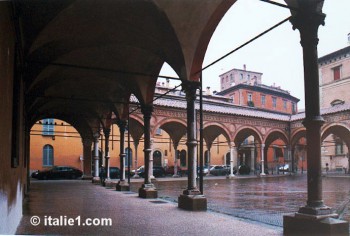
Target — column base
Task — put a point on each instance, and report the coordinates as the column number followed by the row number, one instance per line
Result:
column 262, row 174
column 86, row 177
column 230, row 176
column 304, row 224
column 136, row 176
column 176, row 176
column 96, row 180
column 148, row 191
column 192, row 202
column 109, row 183
column 122, row 186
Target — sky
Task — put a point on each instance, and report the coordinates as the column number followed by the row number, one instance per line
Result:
column 277, row 54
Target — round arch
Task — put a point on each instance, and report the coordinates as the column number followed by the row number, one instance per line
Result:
column 212, row 130
column 273, row 135
column 244, row 133
column 340, row 130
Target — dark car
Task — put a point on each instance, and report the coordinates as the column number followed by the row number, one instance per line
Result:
column 58, row 172
column 114, row 173
column 170, row 170
column 158, row 171
column 244, row 170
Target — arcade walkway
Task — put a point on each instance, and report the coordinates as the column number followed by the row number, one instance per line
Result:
column 129, row 214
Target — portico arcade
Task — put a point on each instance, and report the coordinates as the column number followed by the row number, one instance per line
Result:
column 57, row 52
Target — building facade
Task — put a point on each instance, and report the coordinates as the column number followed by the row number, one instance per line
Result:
column 245, row 88
column 334, row 71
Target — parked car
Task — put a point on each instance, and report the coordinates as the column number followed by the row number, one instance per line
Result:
column 244, row 170
column 284, row 168
column 114, row 173
column 222, row 170
column 170, row 170
column 58, row 172
column 158, row 171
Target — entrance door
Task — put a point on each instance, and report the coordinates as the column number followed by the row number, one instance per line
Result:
column 157, row 158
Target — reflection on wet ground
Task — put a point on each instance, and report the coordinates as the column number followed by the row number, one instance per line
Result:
column 264, row 200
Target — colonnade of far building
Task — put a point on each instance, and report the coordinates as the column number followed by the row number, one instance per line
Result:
column 67, row 149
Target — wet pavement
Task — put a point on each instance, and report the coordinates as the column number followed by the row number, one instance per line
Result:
column 64, row 206
column 254, row 204
column 265, row 199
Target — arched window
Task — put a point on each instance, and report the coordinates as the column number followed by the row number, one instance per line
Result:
column 127, row 151
column 157, row 158
column 183, row 157
column 47, row 155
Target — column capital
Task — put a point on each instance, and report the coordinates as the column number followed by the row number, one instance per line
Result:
column 96, row 136
column 147, row 110
column 87, row 142
column 263, row 145
column 307, row 22
column 190, row 88
column 122, row 125
column 313, row 122
column 106, row 131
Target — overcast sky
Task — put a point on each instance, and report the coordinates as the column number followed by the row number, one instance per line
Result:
column 278, row 54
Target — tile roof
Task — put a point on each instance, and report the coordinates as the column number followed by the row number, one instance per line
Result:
column 210, row 105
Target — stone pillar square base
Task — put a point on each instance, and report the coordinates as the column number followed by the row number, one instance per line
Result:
column 230, row 177
column 300, row 224
column 109, row 183
column 96, row 180
column 122, row 186
column 148, row 191
column 86, row 177
column 192, row 202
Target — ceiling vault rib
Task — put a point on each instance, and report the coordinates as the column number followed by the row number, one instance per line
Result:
column 105, row 70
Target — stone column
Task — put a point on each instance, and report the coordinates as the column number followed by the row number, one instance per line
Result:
column 96, row 178
column 314, row 218
column 107, row 132
column 147, row 189
column 209, row 160
column 151, row 160
column 191, row 199
column 233, row 157
column 175, row 161
column 87, row 158
column 136, row 145
column 252, row 159
column 262, row 159
column 122, row 184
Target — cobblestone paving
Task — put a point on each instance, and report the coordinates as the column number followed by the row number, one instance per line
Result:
column 265, row 200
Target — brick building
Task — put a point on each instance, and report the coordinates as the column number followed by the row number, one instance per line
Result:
column 245, row 88
column 334, row 89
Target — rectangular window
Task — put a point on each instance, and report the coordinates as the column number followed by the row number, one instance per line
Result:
column 338, row 148
column 231, row 77
column 250, row 97
column 336, row 73
column 274, row 102
column 293, row 108
column 48, row 127
column 159, row 131
column 285, row 104
column 263, row 100
column 232, row 97
column 285, row 153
